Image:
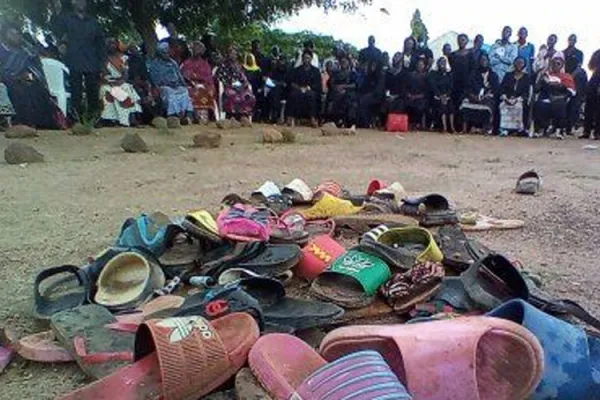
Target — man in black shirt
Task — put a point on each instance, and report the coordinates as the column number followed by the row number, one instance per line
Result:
column 572, row 51
column 85, row 57
column 369, row 53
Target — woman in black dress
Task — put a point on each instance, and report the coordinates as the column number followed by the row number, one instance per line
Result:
column 514, row 100
column 417, row 90
column 479, row 106
column 461, row 65
column 305, row 91
column 341, row 98
column 440, row 81
column 592, row 100
column 410, row 54
column 371, row 93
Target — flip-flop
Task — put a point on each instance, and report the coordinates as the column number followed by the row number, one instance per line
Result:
column 290, row 369
column 529, row 183
column 6, row 356
column 42, row 347
column 328, row 187
column 273, row 260
column 320, row 253
column 362, row 223
column 419, row 284
column 201, row 225
column 147, row 232
column 352, row 281
column 482, row 223
column 456, row 248
column 572, row 357
column 433, row 210
column 268, row 189
column 179, row 359
column 98, row 350
column 58, row 289
column 244, row 223
column 375, row 185
column 329, row 206
column 466, row 358
column 159, row 304
column 298, row 191
column 394, row 192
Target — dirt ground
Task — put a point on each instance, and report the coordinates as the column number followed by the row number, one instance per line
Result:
column 73, row 205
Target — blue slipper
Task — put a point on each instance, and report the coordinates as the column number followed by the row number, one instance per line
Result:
column 571, row 356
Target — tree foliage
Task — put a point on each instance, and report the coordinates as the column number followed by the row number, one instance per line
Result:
column 418, row 28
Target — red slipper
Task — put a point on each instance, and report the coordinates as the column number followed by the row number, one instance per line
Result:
column 42, row 347
column 178, row 359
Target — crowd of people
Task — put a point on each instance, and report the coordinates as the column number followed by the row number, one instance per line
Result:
column 507, row 88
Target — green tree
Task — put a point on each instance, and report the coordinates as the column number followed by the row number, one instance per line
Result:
column 418, row 28
column 192, row 17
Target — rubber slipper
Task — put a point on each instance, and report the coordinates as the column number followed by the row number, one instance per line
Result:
column 457, row 248
column 147, row 232
column 318, row 255
column 42, row 347
column 98, row 350
column 353, row 280
column 329, row 206
column 380, row 205
column 289, row 230
column 58, row 289
column 482, row 223
column 244, row 223
column 328, row 187
column 268, row 189
column 374, row 234
column 529, row 183
column 362, row 223
column 488, row 283
column 299, row 191
column 201, row 225
column 394, row 192
column 419, row 284
column 466, row 358
column 6, row 356
column 419, row 205
column 128, row 280
column 374, row 186
column 401, row 248
column 273, row 260
column 179, row 359
column 290, row 369
column 572, row 357
column 145, row 312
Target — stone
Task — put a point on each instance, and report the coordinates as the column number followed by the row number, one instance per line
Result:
column 19, row 153
column 330, row 129
column 247, row 387
column 209, row 140
column 289, row 136
column 81, row 130
column 272, row 135
column 160, row 123
column 132, row 142
column 245, row 122
column 223, row 124
column 173, row 123
column 20, row 132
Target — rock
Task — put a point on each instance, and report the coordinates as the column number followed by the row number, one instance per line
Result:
column 272, row 135
column 132, row 142
column 245, row 122
column 330, row 129
column 19, row 153
column 173, row 123
column 289, row 136
column 223, row 124
column 160, row 123
column 247, row 386
column 81, row 130
column 20, row 132
column 209, row 140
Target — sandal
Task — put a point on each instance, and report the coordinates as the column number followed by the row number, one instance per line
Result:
column 529, row 183
column 329, row 206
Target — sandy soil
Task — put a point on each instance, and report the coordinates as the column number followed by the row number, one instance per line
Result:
column 73, row 206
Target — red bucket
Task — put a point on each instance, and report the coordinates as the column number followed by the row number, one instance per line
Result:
column 397, row 123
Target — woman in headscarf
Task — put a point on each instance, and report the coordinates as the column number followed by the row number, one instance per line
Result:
column 255, row 76
column 121, row 101
column 479, row 106
column 22, row 73
column 440, row 81
column 201, row 84
column 417, row 91
column 305, row 91
column 515, row 93
column 555, row 88
column 165, row 74
column 238, row 98
column 341, row 99
column 592, row 100
column 371, row 93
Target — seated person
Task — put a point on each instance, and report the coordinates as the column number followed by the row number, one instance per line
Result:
column 394, row 86
column 514, row 100
column 305, row 91
column 371, row 93
column 580, row 77
column 121, row 102
column 238, row 98
column 341, row 98
column 592, row 100
column 165, row 74
column 139, row 77
column 479, row 106
column 276, row 88
column 555, row 88
column 416, row 95
column 201, row 84
column 440, row 82
column 22, row 73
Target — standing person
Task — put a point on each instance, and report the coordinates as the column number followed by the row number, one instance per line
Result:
column 479, row 106
column 201, row 83
column 305, row 91
column 410, row 55
column 238, row 99
column 580, row 77
column 335, row 57
column 447, row 50
column 424, row 52
column 572, row 51
column 503, row 54
column 85, row 57
column 416, row 91
column 547, row 51
column 371, row 92
column 477, row 51
column 309, row 46
column 515, row 95
column 369, row 53
column 121, row 101
column 440, row 81
column 178, row 48
column 263, row 61
column 255, row 76
column 526, row 50
column 165, row 74
column 461, row 65
column 591, row 127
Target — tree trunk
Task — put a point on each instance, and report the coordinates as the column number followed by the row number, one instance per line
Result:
column 143, row 14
